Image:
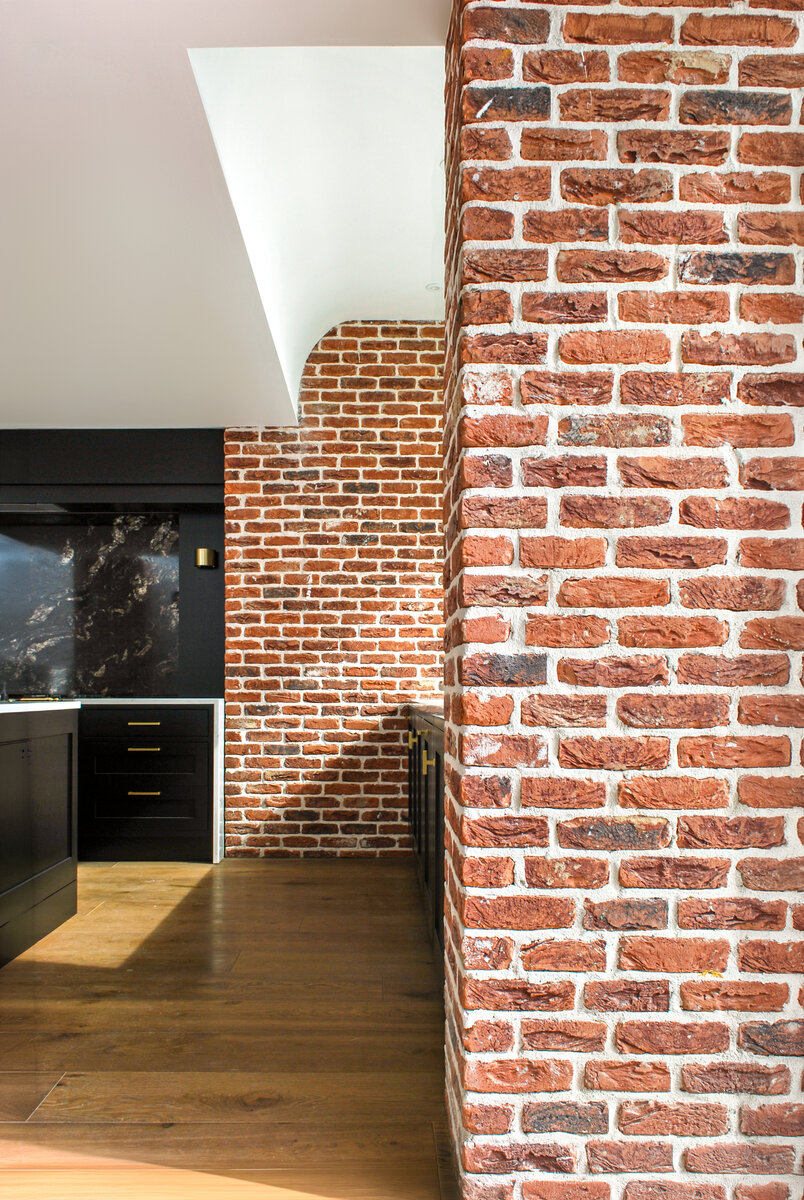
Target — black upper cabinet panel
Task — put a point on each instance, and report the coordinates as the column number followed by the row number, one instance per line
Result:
column 113, row 457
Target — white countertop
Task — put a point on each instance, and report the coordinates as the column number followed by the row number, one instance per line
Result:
column 33, row 706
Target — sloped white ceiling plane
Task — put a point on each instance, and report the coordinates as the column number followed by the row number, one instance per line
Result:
column 333, row 159
column 138, row 286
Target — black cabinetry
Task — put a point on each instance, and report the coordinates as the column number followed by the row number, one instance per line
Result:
column 146, row 782
column 37, row 825
column 426, row 809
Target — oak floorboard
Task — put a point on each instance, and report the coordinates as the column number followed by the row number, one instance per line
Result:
column 254, row 1029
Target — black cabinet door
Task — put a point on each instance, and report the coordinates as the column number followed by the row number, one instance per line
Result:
column 142, row 794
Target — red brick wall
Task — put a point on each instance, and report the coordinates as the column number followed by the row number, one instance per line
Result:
column 624, row 382
column 334, row 597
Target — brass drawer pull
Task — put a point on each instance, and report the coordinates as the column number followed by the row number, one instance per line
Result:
column 145, row 722
column 145, row 793
column 427, row 763
column 144, row 749
column 412, row 738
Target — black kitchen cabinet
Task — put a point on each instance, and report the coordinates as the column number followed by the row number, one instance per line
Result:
column 146, row 782
column 426, row 810
column 38, row 861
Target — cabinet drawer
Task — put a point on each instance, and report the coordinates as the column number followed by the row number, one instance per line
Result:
column 146, row 721
column 184, row 760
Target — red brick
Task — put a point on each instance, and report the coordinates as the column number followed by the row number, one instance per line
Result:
column 627, row 995
column 562, row 552
column 682, row 473
column 677, row 308
column 509, row 183
column 748, row 670
column 606, row 1157
column 780, row 958
column 495, row 24
column 689, row 553
column 671, row 632
column 728, row 752
column 657, row 227
column 560, row 711
column 673, row 66
column 652, row 1117
column 774, row 307
column 627, row 1076
column 566, row 872
column 501, row 1158
column 674, row 873
column 567, row 631
column 740, row 1158
column 756, row 792
column 780, row 554
column 481, row 791
column 509, row 430
column 562, row 793
column 735, row 187
column 617, row 29
column 538, row 1190
column 486, row 308
column 614, row 753
column 771, row 149
column 699, row 30
column 480, row 224
column 762, row 1191
column 673, row 955
column 609, row 266
column 721, row 107
column 625, row 914
column 729, row 833
column 482, row 62
column 773, row 1120
column 609, row 185
column 773, row 70
column 678, row 146
column 567, row 225
column 564, row 308
column 733, row 996
column 613, row 833
column 514, row 1075
column 524, row 349
column 570, row 470
column 562, row 1116
column 486, row 471
column 669, row 793
column 475, row 710
column 738, row 595
column 566, row 388
column 615, row 104
column 488, row 954
column 735, row 1078
column 504, row 831
column 505, row 104
column 485, row 590
column 486, row 1036
column 786, row 712
column 707, row 513
column 617, row 346
column 745, row 349
column 485, row 145
column 502, row 750
column 486, row 551
column 673, row 1191
column 767, row 229
column 708, row 267
column 521, row 512
column 613, row 593
column 487, row 1118
column 642, row 387
column 488, row 388
column 562, row 954
column 621, row 431
column 778, row 1037
column 565, row 66
column 487, row 872
column 775, row 633
column 516, row 995
column 564, row 145
column 639, row 670
column 772, row 875
column 518, row 912
column 770, row 389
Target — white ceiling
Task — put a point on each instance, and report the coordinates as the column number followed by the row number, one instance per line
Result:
column 127, row 298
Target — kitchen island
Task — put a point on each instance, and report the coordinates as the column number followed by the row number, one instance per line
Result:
column 38, row 838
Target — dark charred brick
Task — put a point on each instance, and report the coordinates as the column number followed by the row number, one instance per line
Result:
column 706, row 107
column 625, row 914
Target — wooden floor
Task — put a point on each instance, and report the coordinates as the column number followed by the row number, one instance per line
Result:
column 257, row 1029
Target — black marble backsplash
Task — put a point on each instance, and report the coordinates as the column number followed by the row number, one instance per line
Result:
column 90, row 609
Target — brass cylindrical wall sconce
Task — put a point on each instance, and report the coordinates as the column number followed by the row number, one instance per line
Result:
column 206, row 558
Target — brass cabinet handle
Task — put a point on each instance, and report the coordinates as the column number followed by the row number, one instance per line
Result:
column 145, row 793
column 144, row 749
column 412, row 738
column 427, row 763
column 144, row 722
